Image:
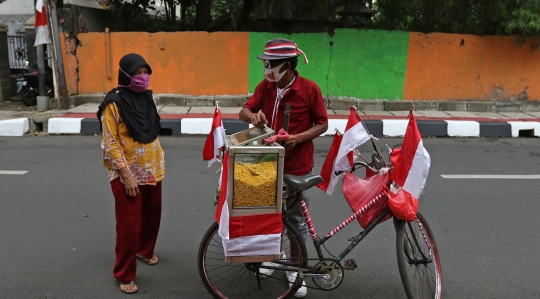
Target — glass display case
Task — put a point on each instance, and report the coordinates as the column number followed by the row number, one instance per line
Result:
column 255, row 175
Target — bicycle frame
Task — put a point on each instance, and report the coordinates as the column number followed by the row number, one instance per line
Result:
column 317, row 241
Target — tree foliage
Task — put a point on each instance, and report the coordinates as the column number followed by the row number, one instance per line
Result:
column 480, row 17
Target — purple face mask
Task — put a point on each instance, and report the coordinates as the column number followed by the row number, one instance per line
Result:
column 139, row 82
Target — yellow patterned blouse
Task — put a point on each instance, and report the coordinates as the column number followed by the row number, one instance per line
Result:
column 146, row 162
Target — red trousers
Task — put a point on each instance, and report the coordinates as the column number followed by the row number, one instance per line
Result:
column 137, row 226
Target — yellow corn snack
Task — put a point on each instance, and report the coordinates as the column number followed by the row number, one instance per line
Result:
column 254, row 190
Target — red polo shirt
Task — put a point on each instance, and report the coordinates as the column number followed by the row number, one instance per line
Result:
column 307, row 109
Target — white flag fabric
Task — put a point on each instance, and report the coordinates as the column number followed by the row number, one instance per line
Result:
column 412, row 163
column 42, row 30
column 40, row 4
column 355, row 135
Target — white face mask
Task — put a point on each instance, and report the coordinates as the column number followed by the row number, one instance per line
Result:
column 272, row 74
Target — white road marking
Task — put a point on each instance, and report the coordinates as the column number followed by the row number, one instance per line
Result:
column 491, row 176
column 13, row 172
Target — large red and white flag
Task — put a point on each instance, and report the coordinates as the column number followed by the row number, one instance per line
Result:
column 411, row 165
column 215, row 140
column 42, row 30
column 355, row 135
column 328, row 172
column 246, row 235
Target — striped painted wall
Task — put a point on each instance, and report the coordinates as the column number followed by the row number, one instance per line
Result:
column 363, row 64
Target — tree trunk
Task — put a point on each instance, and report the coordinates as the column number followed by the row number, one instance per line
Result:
column 203, row 17
column 182, row 14
column 244, row 14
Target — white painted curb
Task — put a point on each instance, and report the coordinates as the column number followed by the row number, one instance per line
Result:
column 524, row 125
column 463, row 128
column 394, row 127
column 196, row 126
column 14, row 127
column 536, row 128
column 64, row 125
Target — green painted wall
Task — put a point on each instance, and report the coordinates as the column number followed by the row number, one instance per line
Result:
column 368, row 64
column 364, row 64
column 315, row 45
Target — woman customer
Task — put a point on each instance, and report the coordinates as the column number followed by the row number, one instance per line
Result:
column 136, row 166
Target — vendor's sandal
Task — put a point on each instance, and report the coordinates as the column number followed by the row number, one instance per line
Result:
column 150, row 262
column 129, row 288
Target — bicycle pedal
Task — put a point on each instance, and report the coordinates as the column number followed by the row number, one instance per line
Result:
column 349, row 264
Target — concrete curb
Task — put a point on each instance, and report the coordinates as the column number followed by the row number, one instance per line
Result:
column 378, row 128
column 14, row 127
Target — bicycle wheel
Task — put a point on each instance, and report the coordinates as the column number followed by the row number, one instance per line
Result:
column 418, row 259
column 237, row 280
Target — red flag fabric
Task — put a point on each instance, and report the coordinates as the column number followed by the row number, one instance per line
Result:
column 42, row 30
column 328, row 173
column 246, row 235
column 355, row 135
column 215, row 140
column 412, row 162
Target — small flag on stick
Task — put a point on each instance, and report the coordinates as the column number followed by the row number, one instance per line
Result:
column 42, row 30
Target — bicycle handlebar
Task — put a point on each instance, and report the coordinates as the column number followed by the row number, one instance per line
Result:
column 364, row 164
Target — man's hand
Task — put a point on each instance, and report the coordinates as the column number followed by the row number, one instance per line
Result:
column 258, row 120
column 292, row 142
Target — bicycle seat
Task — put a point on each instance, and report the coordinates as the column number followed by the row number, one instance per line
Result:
column 302, row 182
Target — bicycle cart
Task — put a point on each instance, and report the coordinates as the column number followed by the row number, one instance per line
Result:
column 417, row 254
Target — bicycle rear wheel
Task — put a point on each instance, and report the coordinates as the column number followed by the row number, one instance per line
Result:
column 237, row 280
column 418, row 259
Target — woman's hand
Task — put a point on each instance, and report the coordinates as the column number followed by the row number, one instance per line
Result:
column 131, row 184
column 132, row 187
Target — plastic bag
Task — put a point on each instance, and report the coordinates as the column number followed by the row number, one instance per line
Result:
column 359, row 192
column 403, row 205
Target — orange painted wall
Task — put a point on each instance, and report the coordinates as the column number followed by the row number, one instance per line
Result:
column 440, row 68
column 193, row 63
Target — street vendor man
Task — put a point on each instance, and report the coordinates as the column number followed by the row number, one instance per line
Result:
column 308, row 117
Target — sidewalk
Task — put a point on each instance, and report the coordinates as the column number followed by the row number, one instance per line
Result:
column 19, row 120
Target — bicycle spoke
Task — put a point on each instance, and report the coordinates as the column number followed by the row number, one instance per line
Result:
column 240, row 280
column 418, row 260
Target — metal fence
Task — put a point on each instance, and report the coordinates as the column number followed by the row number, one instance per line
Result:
column 17, row 51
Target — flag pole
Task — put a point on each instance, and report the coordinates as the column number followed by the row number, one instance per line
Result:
column 370, row 137
column 361, row 156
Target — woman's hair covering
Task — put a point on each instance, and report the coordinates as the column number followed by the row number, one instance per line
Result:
column 137, row 110
column 129, row 64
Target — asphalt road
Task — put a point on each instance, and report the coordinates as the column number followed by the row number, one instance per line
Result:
column 57, row 227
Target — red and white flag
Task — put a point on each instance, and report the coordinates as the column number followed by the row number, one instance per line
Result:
column 328, row 172
column 42, row 30
column 355, row 135
column 215, row 140
column 411, row 164
column 246, row 235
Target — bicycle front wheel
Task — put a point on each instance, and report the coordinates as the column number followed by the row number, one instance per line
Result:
column 241, row 280
column 418, row 259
